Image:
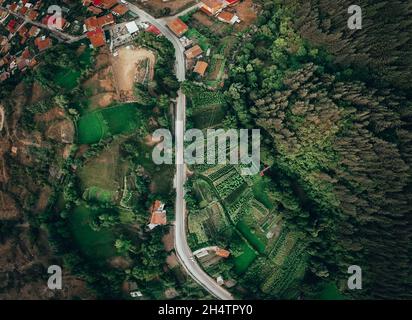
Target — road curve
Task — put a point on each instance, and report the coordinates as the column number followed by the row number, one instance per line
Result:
column 183, row 251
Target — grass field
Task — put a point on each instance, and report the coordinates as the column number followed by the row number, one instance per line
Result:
column 97, row 194
column 99, row 124
column 66, row 78
column 94, row 244
column 251, row 237
column 243, row 261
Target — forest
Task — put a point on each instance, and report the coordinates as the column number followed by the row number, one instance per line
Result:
column 334, row 105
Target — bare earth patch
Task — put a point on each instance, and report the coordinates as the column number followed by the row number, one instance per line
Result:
column 155, row 7
column 247, row 12
column 126, row 66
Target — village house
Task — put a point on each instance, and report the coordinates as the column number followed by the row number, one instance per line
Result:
column 200, row 68
column 177, row 26
column 94, row 10
column 158, row 215
column 222, row 252
column 104, row 4
column 228, row 17
column 97, row 37
column 120, row 10
column 43, row 43
column 94, row 22
column 212, row 7
column 32, row 15
column 193, row 52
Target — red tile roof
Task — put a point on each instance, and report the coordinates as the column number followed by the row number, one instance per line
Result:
column 42, row 44
column 177, row 26
column 105, row 20
column 222, row 253
column 32, row 15
column 201, row 67
column 120, row 9
column 97, row 37
column 193, row 52
column 153, row 29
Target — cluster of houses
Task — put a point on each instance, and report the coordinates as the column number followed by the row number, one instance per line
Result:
column 25, row 28
column 217, row 8
column 104, row 12
column 21, row 40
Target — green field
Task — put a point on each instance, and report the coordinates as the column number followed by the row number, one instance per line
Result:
column 99, row 195
column 243, row 261
column 66, row 78
column 93, row 244
column 99, row 124
column 251, row 237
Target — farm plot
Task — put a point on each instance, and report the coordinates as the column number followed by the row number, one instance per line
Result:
column 203, row 192
column 243, row 261
column 198, row 38
column 216, row 71
column 99, row 124
column 285, row 277
column 101, row 177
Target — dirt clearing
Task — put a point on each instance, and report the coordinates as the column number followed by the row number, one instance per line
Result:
column 247, row 12
column 128, row 65
column 160, row 8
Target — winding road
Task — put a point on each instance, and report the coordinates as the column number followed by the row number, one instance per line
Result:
column 182, row 249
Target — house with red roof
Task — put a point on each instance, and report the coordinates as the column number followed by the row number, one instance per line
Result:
column 97, row 37
column 43, row 43
column 158, row 215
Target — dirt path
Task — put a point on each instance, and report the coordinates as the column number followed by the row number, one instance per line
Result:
column 2, row 116
column 126, row 67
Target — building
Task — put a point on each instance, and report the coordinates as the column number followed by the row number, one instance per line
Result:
column 211, row 7
column 193, row 52
column 232, row 2
column 153, row 29
column 94, row 10
column 105, row 4
column 222, row 252
column 177, row 26
column 34, row 31
column 43, row 43
column 132, row 27
column 120, row 10
column 97, row 37
column 158, row 215
column 32, row 15
column 200, row 68
column 228, row 17
column 93, row 23
column 105, row 20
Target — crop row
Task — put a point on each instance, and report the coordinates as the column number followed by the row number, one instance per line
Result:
column 225, row 188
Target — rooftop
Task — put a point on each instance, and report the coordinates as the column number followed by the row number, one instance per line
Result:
column 193, row 52
column 120, row 9
column 42, row 43
column 200, row 68
column 97, row 37
column 177, row 26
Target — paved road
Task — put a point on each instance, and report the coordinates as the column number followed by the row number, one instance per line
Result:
column 183, row 251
